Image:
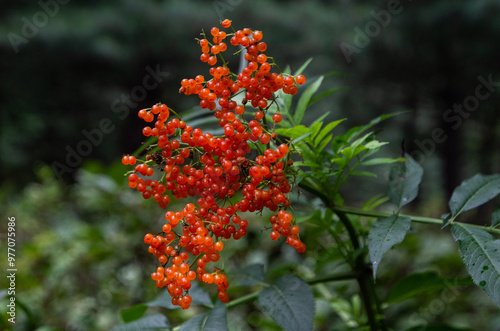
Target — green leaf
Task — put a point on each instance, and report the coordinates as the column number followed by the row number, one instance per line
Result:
column 290, row 302
column 359, row 141
column 285, row 102
column 473, row 192
column 340, row 161
column 418, row 283
column 381, row 160
column 374, row 202
column 303, row 67
column 324, row 143
column 294, row 132
column 364, row 173
column 308, row 217
column 375, row 144
column 495, row 217
column 307, row 154
column 251, row 275
column 151, row 322
column 386, row 233
column 356, row 131
column 326, row 130
column 133, row 313
column 315, row 127
column 481, row 255
column 213, row 320
column 321, row 118
column 403, row 182
column 305, row 98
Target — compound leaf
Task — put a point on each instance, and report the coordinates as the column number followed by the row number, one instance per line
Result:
column 386, row 233
column 305, row 98
column 290, row 302
column 481, row 255
column 151, row 322
column 213, row 320
column 473, row 192
column 404, row 179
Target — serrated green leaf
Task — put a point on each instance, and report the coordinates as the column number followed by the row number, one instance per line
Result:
column 304, row 136
column 424, row 282
column 358, row 130
column 381, row 160
column 375, row 144
column 133, row 313
column 347, row 153
column 324, row 143
column 294, row 132
column 326, row 130
column 358, row 150
column 361, row 140
column 340, row 161
column 285, row 101
column 315, row 127
column 290, row 302
column 377, row 203
column 364, row 173
column 151, row 322
column 306, row 153
column 404, row 180
column 495, row 217
column 303, row 67
column 251, row 275
column 473, row 192
column 309, row 217
column 481, row 255
column 386, row 233
column 369, row 202
column 321, row 118
column 213, row 320
column 305, row 98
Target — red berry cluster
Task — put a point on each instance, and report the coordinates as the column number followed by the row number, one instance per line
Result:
column 215, row 168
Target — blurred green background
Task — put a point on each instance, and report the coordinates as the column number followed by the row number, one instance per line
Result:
column 74, row 74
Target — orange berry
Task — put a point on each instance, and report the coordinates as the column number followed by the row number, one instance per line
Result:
column 300, row 79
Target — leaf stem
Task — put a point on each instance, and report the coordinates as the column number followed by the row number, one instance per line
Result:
column 416, row 219
column 365, row 282
column 313, row 281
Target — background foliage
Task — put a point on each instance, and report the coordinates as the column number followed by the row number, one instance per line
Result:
column 79, row 241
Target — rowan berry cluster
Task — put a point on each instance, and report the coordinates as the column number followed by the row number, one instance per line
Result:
column 245, row 169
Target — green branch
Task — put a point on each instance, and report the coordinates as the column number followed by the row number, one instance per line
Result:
column 416, row 219
column 313, row 281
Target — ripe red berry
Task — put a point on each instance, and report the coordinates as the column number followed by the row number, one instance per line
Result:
column 300, row 79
